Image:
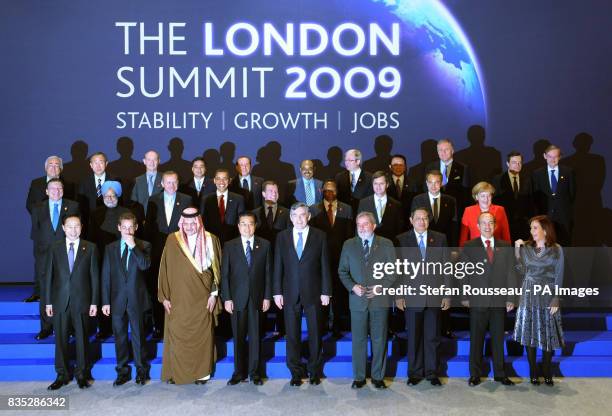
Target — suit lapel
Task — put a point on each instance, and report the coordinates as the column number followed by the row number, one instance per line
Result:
column 80, row 253
column 176, row 210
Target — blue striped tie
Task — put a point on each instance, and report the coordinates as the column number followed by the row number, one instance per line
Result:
column 249, row 253
column 299, row 246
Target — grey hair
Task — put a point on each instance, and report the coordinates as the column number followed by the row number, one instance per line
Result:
column 356, row 152
column 54, row 157
column 366, row 214
column 297, row 206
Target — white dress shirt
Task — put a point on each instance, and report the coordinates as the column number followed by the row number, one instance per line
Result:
column 380, row 202
column 418, row 236
column 225, row 195
column 556, row 170
column 248, row 178
column 169, row 206
column 76, row 246
column 304, row 236
column 244, row 245
column 484, row 241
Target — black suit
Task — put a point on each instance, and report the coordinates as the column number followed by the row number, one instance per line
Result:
column 44, row 236
column 392, row 220
column 363, row 188
column 252, row 197
column 208, row 187
column 280, row 222
column 559, row 206
column 247, row 286
column 422, row 312
column 488, row 310
column 71, row 294
column 209, row 208
column 458, row 185
column 301, row 282
column 87, row 197
column 447, row 216
column 126, row 292
column 337, row 233
column 408, row 191
column 519, row 207
column 38, row 191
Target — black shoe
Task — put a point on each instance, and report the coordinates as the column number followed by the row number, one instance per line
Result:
column 549, row 381
column 100, row 336
column 435, row 381
column 157, row 334
column 87, row 375
column 413, row 381
column 257, row 380
column 200, row 382
column 534, row 381
column 295, row 381
column 58, row 383
column 83, row 383
column 379, row 384
column 357, row 384
column 315, row 380
column 504, row 380
column 474, row 381
column 33, row 298
column 44, row 334
column 170, row 381
column 141, row 379
column 236, row 379
column 122, row 379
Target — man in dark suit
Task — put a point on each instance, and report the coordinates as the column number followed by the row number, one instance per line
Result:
column 221, row 208
column 163, row 214
column 335, row 219
column 513, row 192
column 199, row 185
column 71, row 295
column 386, row 210
column 369, row 307
column 496, row 258
column 149, row 183
column 271, row 217
column 554, row 191
column 442, row 208
column 422, row 312
column 455, row 175
column 246, row 289
column 124, row 289
column 401, row 187
column 47, row 218
column 247, row 185
column 306, row 189
column 354, row 184
column 302, row 281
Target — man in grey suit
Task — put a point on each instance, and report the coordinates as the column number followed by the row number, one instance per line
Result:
column 149, row 183
column 369, row 307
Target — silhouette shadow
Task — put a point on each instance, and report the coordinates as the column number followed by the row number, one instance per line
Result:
column 383, row 145
column 484, row 162
column 334, row 157
column 126, row 168
column 270, row 166
column 78, row 168
column 227, row 151
column 538, row 161
column 212, row 160
column 429, row 153
column 176, row 161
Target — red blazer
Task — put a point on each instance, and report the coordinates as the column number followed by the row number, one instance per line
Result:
column 469, row 227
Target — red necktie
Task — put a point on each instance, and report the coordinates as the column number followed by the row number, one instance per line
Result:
column 222, row 209
column 489, row 251
column 330, row 214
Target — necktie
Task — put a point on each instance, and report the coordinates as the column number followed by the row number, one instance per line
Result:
column 168, row 204
column 422, row 246
column 309, row 195
column 299, row 248
column 436, row 210
column 380, row 210
column 366, row 249
column 352, row 182
column 489, row 251
column 553, row 182
column 270, row 217
column 198, row 184
column 99, row 188
column 124, row 257
column 398, row 188
column 55, row 217
column 444, row 176
column 249, row 253
column 222, row 209
column 150, row 184
column 330, row 214
column 515, row 187
column 245, row 184
column 71, row 257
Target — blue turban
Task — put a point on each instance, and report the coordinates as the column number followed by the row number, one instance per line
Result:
column 114, row 185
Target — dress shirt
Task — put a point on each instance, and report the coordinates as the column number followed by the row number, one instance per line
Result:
column 244, row 246
column 169, row 206
column 225, row 195
column 304, row 237
column 248, row 178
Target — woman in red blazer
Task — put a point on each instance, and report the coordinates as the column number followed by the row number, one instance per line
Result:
column 482, row 193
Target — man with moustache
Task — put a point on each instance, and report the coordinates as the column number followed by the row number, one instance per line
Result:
column 199, row 185
column 306, row 189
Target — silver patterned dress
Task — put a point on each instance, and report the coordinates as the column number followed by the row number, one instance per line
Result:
column 535, row 326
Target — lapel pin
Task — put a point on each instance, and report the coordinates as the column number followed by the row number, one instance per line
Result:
column 431, row 240
column 177, row 204
column 65, row 208
column 561, row 177
column 256, row 246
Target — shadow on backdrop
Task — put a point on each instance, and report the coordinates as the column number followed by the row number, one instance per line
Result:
column 429, row 153
column 383, row 146
column 334, row 157
column 78, row 167
column 484, row 162
column 125, row 167
column 176, row 161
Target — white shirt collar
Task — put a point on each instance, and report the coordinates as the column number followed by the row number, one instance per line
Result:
column 384, row 199
column 103, row 177
column 484, row 241
column 76, row 245
column 356, row 173
column 244, row 241
column 431, row 196
column 222, row 193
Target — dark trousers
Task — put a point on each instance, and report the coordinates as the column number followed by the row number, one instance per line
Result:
column 247, row 322
column 376, row 320
column 293, row 328
column 40, row 258
column 546, row 362
column 339, row 305
column 423, row 326
column 157, row 309
column 480, row 319
column 122, row 348
column 62, row 322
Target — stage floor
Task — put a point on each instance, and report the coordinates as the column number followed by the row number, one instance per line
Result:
column 569, row 396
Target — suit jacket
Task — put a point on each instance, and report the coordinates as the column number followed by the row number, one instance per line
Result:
column 126, row 290
column 298, row 191
column 447, row 216
column 560, row 205
column 458, row 185
column 38, row 191
column 156, row 226
column 436, row 251
column 409, row 190
column 212, row 221
column 88, row 194
column 362, row 189
column 140, row 192
column 281, row 222
column 342, row 229
column 469, row 223
column 303, row 279
column 241, row 283
column 392, row 220
column 500, row 274
column 208, row 187
column 354, row 269
column 77, row 290
column 42, row 232
column 253, row 197
column 518, row 209
column 103, row 226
